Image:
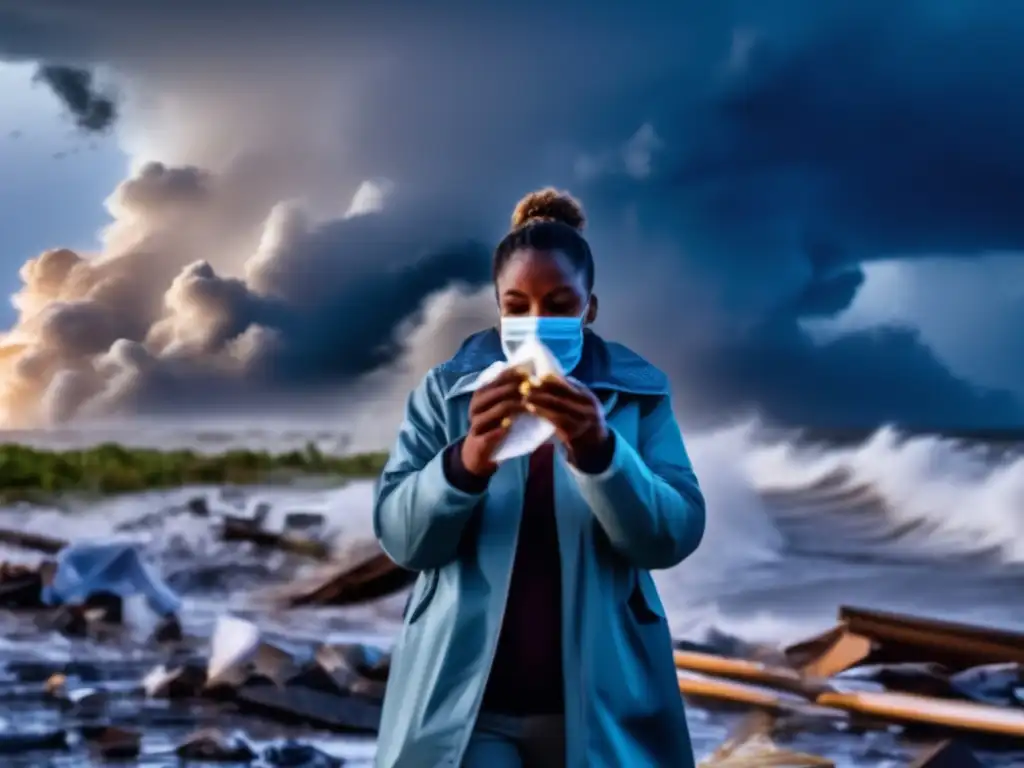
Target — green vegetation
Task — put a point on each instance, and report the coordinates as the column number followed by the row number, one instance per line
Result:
column 30, row 473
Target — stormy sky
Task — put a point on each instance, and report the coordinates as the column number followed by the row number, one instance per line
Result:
column 806, row 210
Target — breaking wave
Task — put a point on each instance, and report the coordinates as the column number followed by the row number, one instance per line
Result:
column 923, row 523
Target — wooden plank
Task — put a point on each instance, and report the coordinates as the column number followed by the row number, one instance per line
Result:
column 946, row 713
column 911, row 638
column 749, row 671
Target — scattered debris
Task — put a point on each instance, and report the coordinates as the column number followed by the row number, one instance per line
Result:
column 112, row 743
column 751, row 746
column 761, row 752
column 880, row 668
column 213, row 746
column 293, row 754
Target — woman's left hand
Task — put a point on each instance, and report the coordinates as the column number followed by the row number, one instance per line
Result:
column 577, row 416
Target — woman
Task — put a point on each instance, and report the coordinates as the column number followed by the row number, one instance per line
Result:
column 534, row 635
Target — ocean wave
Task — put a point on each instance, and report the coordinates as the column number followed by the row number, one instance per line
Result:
column 920, row 523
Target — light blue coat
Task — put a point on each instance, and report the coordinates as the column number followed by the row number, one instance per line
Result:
column 622, row 702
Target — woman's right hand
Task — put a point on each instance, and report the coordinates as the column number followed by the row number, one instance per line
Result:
column 491, row 412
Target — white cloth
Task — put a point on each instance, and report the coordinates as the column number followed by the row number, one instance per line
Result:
column 528, row 432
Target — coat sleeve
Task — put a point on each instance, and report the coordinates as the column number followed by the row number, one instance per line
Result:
column 648, row 500
column 418, row 515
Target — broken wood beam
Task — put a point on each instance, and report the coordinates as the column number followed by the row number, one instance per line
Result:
column 245, row 529
column 910, row 638
column 34, row 541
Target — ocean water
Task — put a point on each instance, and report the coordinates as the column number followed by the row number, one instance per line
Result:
column 927, row 525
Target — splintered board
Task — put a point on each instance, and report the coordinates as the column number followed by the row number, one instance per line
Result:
column 908, row 708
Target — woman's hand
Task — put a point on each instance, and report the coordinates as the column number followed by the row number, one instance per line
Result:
column 578, row 418
column 491, row 412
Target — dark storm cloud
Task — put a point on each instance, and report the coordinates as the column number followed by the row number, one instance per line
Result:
column 91, row 110
column 744, row 156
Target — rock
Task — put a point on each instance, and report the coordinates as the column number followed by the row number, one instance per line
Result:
column 923, row 679
column 212, row 746
column 302, row 705
column 18, row 743
column 20, row 587
column 112, row 743
column 303, row 521
column 947, row 754
column 995, row 684
column 88, row 702
column 168, row 631
column 180, row 682
column 70, row 620
column 106, row 607
column 293, row 754
column 351, row 669
column 198, row 506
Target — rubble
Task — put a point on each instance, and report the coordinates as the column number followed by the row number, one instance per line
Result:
column 110, row 743
column 751, row 746
column 373, row 575
column 334, row 687
column 183, row 681
column 212, row 746
column 882, row 668
column 873, row 669
column 907, row 638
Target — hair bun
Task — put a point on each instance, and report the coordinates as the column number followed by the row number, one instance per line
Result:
column 549, row 204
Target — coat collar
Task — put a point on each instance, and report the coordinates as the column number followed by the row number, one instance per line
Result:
column 604, row 366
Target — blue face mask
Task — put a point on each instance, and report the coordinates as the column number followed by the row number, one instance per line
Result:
column 562, row 335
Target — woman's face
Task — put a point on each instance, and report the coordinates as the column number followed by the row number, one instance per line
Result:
column 543, row 283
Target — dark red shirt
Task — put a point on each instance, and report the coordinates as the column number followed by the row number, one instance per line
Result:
column 526, row 676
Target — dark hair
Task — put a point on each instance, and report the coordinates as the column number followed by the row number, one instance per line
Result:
column 548, row 220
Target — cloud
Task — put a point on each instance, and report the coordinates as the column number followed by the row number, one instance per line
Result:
column 741, row 162
column 90, row 110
